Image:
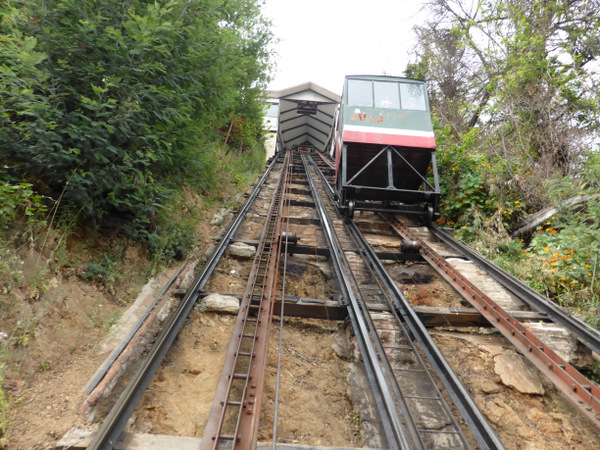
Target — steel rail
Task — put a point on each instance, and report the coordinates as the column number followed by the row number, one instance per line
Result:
column 587, row 334
column 483, row 432
column 106, row 365
column 109, row 432
column 385, row 283
column 246, row 355
column 399, row 429
column 327, row 160
column 481, row 429
column 584, row 394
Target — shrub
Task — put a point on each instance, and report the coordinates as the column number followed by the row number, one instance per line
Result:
column 561, row 258
column 111, row 108
column 18, row 201
column 464, row 179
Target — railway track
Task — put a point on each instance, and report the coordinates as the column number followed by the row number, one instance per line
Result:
column 416, row 391
column 420, row 401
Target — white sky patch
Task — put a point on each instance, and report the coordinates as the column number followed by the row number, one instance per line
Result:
column 324, row 40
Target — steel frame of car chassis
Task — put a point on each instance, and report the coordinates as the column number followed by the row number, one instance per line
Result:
column 431, row 197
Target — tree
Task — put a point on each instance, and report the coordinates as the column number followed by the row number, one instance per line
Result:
column 109, row 105
column 521, row 76
column 514, row 89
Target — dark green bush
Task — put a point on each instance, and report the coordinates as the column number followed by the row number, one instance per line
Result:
column 110, row 106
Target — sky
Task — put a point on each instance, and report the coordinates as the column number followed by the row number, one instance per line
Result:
column 324, row 40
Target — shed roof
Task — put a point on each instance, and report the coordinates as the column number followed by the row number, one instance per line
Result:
column 306, row 116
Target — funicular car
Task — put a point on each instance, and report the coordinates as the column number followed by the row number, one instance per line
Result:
column 385, row 147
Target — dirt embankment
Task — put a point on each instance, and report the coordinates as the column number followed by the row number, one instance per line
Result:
column 54, row 323
column 57, row 307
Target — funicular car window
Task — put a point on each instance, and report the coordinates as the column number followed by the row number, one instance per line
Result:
column 360, row 93
column 413, row 96
column 386, row 95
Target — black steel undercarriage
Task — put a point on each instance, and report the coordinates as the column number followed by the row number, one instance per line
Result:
column 388, row 179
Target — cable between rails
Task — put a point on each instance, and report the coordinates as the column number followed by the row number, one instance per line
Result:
column 281, row 313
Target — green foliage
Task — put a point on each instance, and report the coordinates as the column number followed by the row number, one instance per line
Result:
column 560, row 259
column 101, row 271
column 521, row 74
column 564, row 250
column 594, row 372
column 9, row 276
column 245, row 166
column 18, row 200
column 111, row 108
column 564, row 258
column 471, row 200
column 514, row 98
column 178, row 237
column 463, row 182
column 23, row 332
column 355, row 418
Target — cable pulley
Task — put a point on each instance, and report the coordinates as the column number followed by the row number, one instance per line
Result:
column 410, row 246
column 289, row 237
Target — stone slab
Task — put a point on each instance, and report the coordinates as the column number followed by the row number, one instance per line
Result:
column 563, row 342
column 220, row 304
column 375, row 240
column 437, row 245
column 516, row 373
column 364, row 403
column 487, row 284
column 80, row 438
column 241, row 250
